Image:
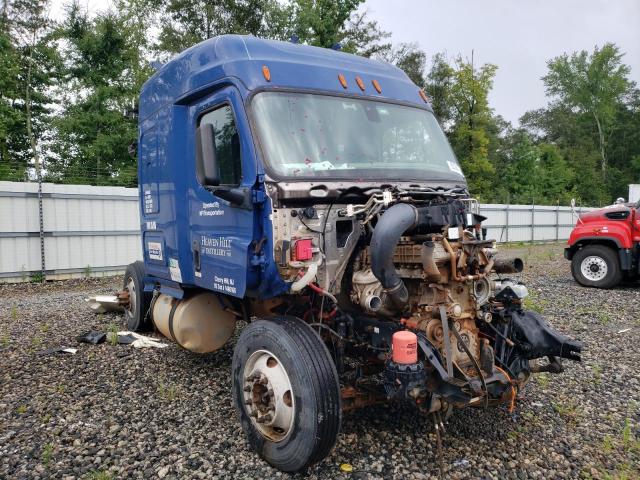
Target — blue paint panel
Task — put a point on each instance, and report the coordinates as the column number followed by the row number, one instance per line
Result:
column 227, row 69
column 292, row 66
column 221, row 232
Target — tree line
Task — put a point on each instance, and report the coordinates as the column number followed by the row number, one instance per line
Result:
column 64, row 86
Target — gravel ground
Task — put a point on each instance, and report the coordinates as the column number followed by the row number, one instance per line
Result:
column 114, row 412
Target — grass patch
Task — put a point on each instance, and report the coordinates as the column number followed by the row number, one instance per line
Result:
column 569, row 410
column 542, row 379
column 169, row 392
column 47, row 454
column 607, row 444
column 624, row 471
column 100, row 475
column 533, row 303
column 37, row 277
column 112, row 334
column 22, row 409
column 629, row 442
column 517, row 433
column 597, row 375
column 603, row 317
column 36, row 342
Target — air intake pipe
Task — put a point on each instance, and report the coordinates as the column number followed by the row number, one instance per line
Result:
column 392, row 224
column 508, row 265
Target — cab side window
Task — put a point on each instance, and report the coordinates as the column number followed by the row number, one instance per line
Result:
column 227, row 143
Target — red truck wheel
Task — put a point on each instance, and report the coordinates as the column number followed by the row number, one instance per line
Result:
column 596, row 266
column 286, row 392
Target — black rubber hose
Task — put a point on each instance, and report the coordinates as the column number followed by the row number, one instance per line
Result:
column 392, row 224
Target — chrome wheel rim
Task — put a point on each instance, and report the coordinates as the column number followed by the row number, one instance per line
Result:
column 131, row 308
column 268, row 396
column 594, row 268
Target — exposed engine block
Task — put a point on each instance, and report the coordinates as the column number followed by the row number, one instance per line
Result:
column 424, row 265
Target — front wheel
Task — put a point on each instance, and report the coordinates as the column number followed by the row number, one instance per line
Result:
column 286, row 392
column 596, row 266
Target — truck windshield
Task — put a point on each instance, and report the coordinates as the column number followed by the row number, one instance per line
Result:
column 321, row 136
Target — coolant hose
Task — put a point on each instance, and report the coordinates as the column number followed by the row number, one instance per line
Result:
column 390, row 227
column 305, row 279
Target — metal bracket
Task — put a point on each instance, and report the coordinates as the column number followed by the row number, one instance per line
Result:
column 447, row 340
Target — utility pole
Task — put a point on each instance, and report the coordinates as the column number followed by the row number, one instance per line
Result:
column 36, row 157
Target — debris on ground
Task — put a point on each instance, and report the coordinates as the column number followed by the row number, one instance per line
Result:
column 104, row 304
column 136, row 340
column 52, row 350
column 93, row 337
column 346, row 467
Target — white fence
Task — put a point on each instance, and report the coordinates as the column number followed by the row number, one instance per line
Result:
column 95, row 230
column 529, row 223
column 87, row 230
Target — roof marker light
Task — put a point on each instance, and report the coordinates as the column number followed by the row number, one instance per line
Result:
column 360, row 83
column 266, row 72
column 343, row 81
column 423, row 96
column 376, row 85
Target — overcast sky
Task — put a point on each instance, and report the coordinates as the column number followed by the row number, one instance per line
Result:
column 517, row 35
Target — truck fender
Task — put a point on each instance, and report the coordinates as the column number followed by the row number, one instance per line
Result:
column 624, row 254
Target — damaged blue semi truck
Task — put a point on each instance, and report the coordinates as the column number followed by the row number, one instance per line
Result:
column 313, row 195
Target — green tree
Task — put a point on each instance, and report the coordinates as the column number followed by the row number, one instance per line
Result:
column 187, row 22
column 591, row 83
column 103, row 78
column 554, row 176
column 472, row 117
column 28, row 69
column 326, row 23
column 409, row 58
column 438, row 86
column 10, row 117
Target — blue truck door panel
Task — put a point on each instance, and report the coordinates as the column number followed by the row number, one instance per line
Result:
column 149, row 162
column 160, row 191
column 221, row 233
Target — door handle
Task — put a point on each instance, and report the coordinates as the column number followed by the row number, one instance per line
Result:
column 196, row 255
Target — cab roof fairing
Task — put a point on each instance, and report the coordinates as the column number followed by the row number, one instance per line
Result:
column 292, row 66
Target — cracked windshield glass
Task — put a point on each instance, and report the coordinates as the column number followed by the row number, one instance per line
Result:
column 309, row 135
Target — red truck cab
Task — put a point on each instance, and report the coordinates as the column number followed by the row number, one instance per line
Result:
column 603, row 246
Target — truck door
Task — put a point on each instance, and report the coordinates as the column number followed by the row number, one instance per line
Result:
column 221, row 231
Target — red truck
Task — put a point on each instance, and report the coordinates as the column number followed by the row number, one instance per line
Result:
column 604, row 246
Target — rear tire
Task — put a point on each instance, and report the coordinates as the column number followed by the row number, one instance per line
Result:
column 139, row 300
column 301, row 427
column 596, row 266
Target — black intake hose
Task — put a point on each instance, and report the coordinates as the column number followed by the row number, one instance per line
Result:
column 392, row 224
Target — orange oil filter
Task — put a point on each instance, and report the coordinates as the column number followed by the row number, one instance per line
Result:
column 404, row 347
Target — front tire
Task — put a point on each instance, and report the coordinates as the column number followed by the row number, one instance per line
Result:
column 596, row 266
column 286, row 392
